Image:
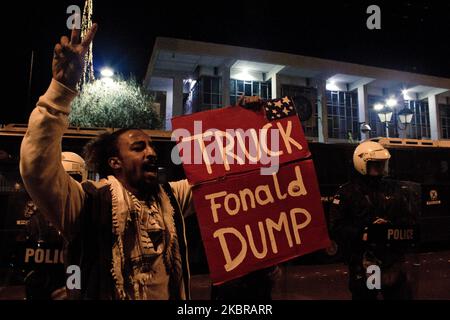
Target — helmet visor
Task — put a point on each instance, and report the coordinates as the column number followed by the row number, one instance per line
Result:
column 378, row 168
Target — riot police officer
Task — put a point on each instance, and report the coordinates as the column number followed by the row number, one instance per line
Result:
column 74, row 165
column 47, row 281
column 371, row 199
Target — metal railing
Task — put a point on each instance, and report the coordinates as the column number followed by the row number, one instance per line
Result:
column 81, row 133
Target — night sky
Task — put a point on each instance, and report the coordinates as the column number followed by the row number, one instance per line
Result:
column 415, row 36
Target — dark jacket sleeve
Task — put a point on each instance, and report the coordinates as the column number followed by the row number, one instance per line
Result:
column 345, row 228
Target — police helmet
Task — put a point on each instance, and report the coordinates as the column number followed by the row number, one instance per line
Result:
column 74, row 165
column 369, row 151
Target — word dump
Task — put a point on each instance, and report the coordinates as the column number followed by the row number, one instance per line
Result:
column 234, row 146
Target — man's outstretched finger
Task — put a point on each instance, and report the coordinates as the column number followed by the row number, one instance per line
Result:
column 75, row 37
column 89, row 36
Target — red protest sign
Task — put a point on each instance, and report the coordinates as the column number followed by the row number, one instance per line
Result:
column 255, row 194
column 249, row 222
column 234, row 140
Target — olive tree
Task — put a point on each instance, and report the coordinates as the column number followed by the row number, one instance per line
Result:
column 114, row 103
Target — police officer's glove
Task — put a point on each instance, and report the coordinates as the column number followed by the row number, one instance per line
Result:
column 380, row 221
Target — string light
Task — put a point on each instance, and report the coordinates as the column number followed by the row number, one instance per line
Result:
column 88, row 67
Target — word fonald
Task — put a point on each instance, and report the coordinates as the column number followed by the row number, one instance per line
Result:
column 234, row 146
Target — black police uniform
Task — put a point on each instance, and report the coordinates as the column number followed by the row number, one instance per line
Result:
column 43, row 279
column 356, row 206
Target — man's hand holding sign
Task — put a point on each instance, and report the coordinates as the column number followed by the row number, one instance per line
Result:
column 255, row 190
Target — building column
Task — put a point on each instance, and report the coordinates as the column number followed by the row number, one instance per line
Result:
column 177, row 109
column 164, row 85
column 225, row 71
column 276, row 86
column 434, row 117
column 322, row 111
column 363, row 109
column 169, row 107
column 174, row 101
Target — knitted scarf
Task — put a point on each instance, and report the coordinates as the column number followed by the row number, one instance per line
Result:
column 126, row 210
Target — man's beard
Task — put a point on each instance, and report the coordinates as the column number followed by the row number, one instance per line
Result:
column 150, row 188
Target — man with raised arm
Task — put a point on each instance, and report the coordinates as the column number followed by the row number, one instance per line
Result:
column 125, row 232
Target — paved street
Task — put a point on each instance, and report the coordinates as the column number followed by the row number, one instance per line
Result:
column 430, row 271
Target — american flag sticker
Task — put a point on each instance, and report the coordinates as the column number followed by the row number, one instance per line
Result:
column 279, row 108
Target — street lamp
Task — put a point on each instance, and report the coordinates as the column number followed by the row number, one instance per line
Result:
column 385, row 115
column 384, row 111
column 405, row 116
column 107, row 73
column 391, row 102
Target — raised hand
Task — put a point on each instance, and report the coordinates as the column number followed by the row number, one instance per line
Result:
column 253, row 102
column 67, row 65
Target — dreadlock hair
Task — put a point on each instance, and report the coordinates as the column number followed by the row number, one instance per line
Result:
column 97, row 151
